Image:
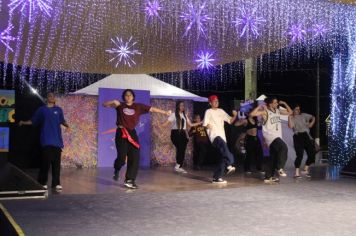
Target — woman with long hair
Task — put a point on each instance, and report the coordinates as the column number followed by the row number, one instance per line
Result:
column 179, row 122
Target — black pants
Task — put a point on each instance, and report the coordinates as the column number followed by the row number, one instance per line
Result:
column 227, row 157
column 254, row 153
column 126, row 149
column 302, row 141
column 180, row 141
column 278, row 154
column 200, row 151
column 51, row 156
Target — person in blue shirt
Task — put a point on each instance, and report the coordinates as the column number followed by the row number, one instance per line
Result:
column 49, row 118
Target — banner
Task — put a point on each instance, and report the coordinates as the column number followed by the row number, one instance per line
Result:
column 7, row 106
column 107, row 128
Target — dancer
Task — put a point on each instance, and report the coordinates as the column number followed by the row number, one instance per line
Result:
column 201, row 142
column 126, row 139
column 301, row 123
column 214, row 121
column 179, row 135
column 49, row 118
column 254, row 151
column 272, row 133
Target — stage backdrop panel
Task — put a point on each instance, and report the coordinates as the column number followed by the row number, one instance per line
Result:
column 80, row 144
column 107, row 128
column 163, row 152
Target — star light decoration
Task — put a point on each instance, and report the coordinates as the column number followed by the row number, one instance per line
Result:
column 32, row 6
column 319, row 30
column 123, row 51
column 195, row 16
column 5, row 37
column 205, row 60
column 297, row 33
column 249, row 22
column 152, row 9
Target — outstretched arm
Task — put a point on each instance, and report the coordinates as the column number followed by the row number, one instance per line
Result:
column 27, row 122
column 157, row 110
column 289, row 111
column 112, row 103
column 290, row 122
column 233, row 118
column 312, row 122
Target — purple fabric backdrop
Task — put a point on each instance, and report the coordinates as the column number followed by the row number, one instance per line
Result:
column 107, row 127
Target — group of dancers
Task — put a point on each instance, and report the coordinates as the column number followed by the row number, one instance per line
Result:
column 211, row 129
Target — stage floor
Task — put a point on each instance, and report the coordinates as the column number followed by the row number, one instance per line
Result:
column 171, row 204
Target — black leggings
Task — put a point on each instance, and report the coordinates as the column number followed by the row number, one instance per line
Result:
column 254, row 153
column 180, row 141
column 51, row 156
column 302, row 141
column 126, row 149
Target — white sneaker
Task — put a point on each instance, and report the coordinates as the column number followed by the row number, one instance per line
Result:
column 59, row 188
column 45, row 186
column 179, row 169
column 282, row 173
column 219, row 181
column 230, row 169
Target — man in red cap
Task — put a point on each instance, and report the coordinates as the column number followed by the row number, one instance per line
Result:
column 214, row 119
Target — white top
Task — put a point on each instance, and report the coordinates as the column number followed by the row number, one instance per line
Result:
column 216, row 118
column 272, row 128
column 172, row 119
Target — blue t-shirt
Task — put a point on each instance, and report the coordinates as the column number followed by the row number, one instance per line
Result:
column 49, row 119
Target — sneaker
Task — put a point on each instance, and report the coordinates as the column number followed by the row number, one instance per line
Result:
column 130, row 184
column 306, row 173
column 219, row 181
column 116, row 175
column 268, row 181
column 230, row 169
column 275, row 179
column 248, row 172
column 59, row 188
column 297, row 176
column 262, row 172
column 282, row 173
column 45, row 186
column 179, row 169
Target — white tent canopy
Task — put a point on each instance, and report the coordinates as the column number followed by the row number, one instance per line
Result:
column 157, row 88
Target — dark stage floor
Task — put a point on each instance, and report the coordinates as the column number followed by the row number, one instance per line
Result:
column 170, row 204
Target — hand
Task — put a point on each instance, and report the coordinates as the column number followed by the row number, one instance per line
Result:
column 234, row 113
column 281, row 103
column 168, row 113
column 209, row 126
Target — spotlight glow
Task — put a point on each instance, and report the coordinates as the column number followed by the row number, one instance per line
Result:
column 123, row 51
column 32, row 6
column 152, row 9
column 319, row 30
column 297, row 33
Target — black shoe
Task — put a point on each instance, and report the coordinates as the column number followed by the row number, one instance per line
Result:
column 116, row 175
column 130, row 184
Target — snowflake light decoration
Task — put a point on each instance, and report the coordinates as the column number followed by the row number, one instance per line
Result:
column 205, row 60
column 31, row 6
column 195, row 16
column 249, row 22
column 319, row 30
column 152, row 9
column 297, row 33
column 5, row 37
column 123, row 51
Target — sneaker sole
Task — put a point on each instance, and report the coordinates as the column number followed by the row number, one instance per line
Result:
column 130, row 186
column 219, row 182
column 229, row 172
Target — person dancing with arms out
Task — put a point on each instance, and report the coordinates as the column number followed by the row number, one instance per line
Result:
column 301, row 123
column 214, row 119
column 126, row 139
column 49, row 118
column 272, row 134
column 179, row 135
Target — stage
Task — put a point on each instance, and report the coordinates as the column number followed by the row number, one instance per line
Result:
column 174, row 204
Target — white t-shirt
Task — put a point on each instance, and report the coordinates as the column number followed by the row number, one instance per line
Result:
column 272, row 128
column 172, row 119
column 216, row 118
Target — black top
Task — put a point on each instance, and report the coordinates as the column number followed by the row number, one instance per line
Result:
column 250, row 125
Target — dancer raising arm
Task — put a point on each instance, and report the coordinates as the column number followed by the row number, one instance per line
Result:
column 126, row 139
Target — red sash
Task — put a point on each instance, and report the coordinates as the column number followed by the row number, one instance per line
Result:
column 126, row 135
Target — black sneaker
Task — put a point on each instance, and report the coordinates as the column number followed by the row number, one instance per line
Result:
column 130, row 184
column 116, row 175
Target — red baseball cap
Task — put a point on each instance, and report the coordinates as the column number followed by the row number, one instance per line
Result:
column 213, row 98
